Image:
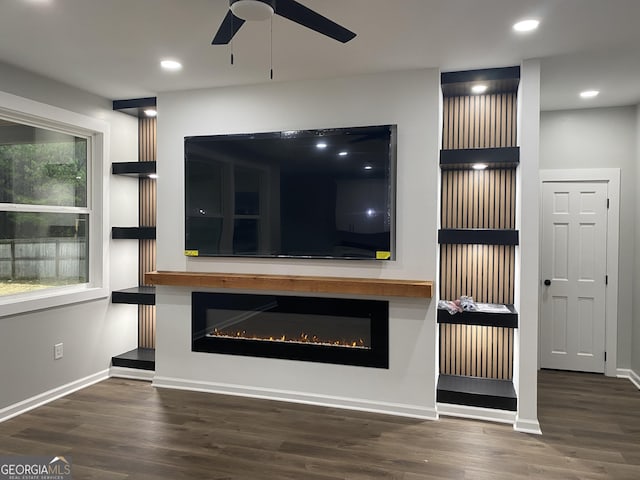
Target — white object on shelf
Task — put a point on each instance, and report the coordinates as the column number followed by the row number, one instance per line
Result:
column 492, row 308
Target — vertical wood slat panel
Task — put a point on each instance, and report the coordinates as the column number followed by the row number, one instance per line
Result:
column 146, row 326
column 479, row 121
column 146, row 258
column 476, row 351
column 485, row 272
column 147, row 151
column 478, row 199
column 147, row 201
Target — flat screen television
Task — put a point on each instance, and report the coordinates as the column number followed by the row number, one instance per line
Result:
column 303, row 194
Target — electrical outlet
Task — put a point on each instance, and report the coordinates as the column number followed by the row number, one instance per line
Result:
column 58, row 351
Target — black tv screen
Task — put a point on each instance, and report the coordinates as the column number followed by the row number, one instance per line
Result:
column 305, row 193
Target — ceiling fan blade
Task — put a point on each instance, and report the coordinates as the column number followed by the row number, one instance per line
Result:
column 230, row 25
column 302, row 15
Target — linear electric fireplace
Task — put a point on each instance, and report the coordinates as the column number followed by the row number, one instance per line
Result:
column 327, row 330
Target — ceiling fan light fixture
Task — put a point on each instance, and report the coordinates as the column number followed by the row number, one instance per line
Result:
column 251, row 9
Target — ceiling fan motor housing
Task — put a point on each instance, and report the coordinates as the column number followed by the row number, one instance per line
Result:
column 242, row 10
column 252, row 9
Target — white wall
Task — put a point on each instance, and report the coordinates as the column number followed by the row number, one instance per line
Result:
column 92, row 332
column 527, row 263
column 408, row 99
column 635, row 354
column 603, row 138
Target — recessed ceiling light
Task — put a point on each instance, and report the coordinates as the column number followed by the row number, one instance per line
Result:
column 321, row 145
column 368, row 167
column 526, row 25
column 589, row 93
column 479, row 166
column 171, row 65
column 343, row 154
column 150, row 112
column 479, row 88
column 153, row 175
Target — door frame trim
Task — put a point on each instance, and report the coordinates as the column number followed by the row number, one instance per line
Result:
column 610, row 176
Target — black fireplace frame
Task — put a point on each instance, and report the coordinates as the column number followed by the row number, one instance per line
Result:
column 376, row 310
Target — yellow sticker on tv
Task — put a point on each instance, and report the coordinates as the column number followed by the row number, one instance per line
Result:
column 191, row 253
column 380, row 255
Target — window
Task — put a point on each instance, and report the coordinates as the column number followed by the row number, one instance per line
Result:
column 43, row 209
column 51, row 218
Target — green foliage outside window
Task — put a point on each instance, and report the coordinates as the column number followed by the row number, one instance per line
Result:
column 41, row 248
column 44, row 173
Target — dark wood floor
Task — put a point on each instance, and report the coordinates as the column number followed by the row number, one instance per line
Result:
column 122, row 429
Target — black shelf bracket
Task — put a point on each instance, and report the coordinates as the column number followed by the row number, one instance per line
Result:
column 498, row 80
column 485, row 319
column 142, row 295
column 478, row 236
column 135, row 233
column 477, row 392
column 135, row 106
column 139, row 358
column 463, row 159
column 133, row 169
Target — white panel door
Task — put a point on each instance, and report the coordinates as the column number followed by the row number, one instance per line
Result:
column 574, row 238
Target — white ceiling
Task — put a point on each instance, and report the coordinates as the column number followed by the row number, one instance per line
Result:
column 112, row 47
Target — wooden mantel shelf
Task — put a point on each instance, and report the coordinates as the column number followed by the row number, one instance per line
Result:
column 294, row 283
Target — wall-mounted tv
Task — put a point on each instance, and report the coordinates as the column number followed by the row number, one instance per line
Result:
column 304, row 194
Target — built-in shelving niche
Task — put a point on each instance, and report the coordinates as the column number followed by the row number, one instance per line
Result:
column 142, row 295
column 478, row 237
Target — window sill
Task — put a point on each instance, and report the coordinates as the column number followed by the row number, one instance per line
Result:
column 49, row 298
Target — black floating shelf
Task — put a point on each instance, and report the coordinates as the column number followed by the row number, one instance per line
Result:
column 503, row 157
column 135, row 106
column 139, row 358
column 477, row 392
column 134, row 169
column 478, row 236
column 488, row 319
column 498, row 80
column 138, row 233
column 142, row 295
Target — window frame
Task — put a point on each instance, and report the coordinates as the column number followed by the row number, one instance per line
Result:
column 29, row 112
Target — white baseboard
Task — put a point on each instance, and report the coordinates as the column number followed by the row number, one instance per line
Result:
column 527, row 426
column 630, row 375
column 46, row 397
column 476, row 413
column 403, row 410
column 132, row 373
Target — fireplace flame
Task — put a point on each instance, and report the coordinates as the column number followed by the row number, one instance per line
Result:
column 301, row 338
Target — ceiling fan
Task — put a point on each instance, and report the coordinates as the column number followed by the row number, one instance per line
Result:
column 243, row 10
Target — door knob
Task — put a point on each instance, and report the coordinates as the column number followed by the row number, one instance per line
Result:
column 547, row 282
